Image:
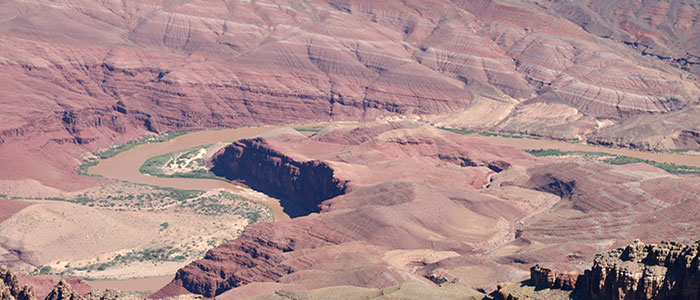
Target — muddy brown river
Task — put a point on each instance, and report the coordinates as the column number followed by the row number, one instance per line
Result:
column 125, row 166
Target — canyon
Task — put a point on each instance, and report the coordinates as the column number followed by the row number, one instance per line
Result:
column 668, row 270
column 338, row 168
column 475, row 214
column 113, row 71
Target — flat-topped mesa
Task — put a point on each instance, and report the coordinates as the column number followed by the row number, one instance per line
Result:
column 667, row 270
column 301, row 185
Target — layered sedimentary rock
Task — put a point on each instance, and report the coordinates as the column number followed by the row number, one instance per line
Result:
column 113, row 71
column 668, row 270
column 431, row 206
column 677, row 130
column 664, row 30
column 10, row 288
column 646, row 271
column 548, row 277
column 302, row 185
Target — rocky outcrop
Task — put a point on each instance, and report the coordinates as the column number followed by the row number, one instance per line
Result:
column 405, row 291
column 526, row 291
column 413, row 196
column 63, row 291
column 403, row 196
column 302, row 185
column 121, row 71
column 668, row 270
column 548, row 277
column 664, row 271
column 10, row 288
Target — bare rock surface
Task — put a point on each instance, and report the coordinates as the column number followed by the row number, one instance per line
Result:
column 462, row 210
column 10, row 207
column 62, row 291
column 115, row 71
column 667, row 270
column 548, row 277
column 10, row 288
column 407, row 291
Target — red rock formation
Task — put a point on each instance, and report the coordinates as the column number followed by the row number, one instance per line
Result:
column 662, row 30
column 656, row 271
column 677, row 130
column 302, row 186
column 114, row 72
column 669, row 270
column 10, row 287
column 10, row 207
column 548, row 277
column 380, row 211
column 425, row 190
column 43, row 286
column 603, row 206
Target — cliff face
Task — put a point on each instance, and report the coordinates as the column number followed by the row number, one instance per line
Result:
column 426, row 204
column 663, row 271
column 639, row 271
column 10, row 287
column 548, row 277
column 124, row 69
column 302, row 186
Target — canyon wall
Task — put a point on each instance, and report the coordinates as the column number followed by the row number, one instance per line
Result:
column 10, row 288
column 301, row 185
column 662, row 271
column 114, row 72
column 423, row 204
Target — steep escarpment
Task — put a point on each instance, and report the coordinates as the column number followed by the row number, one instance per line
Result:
column 114, row 72
column 355, row 239
column 668, row 270
column 302, row 185
column 10, row 288
column 432, row 206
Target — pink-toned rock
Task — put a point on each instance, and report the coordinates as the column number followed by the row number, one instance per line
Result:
column 419, row 189
column 11, row 207
column 548, row 277
column 111, row 72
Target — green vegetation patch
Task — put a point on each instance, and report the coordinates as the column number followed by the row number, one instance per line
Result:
column 487, row 133
column 164, row 254
column 309, row 129
column 130, row 196
column 182, row 160
column 225, row 203
column 615, row 159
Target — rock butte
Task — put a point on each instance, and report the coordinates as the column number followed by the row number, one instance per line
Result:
column 475, row 213
column 112, row 71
